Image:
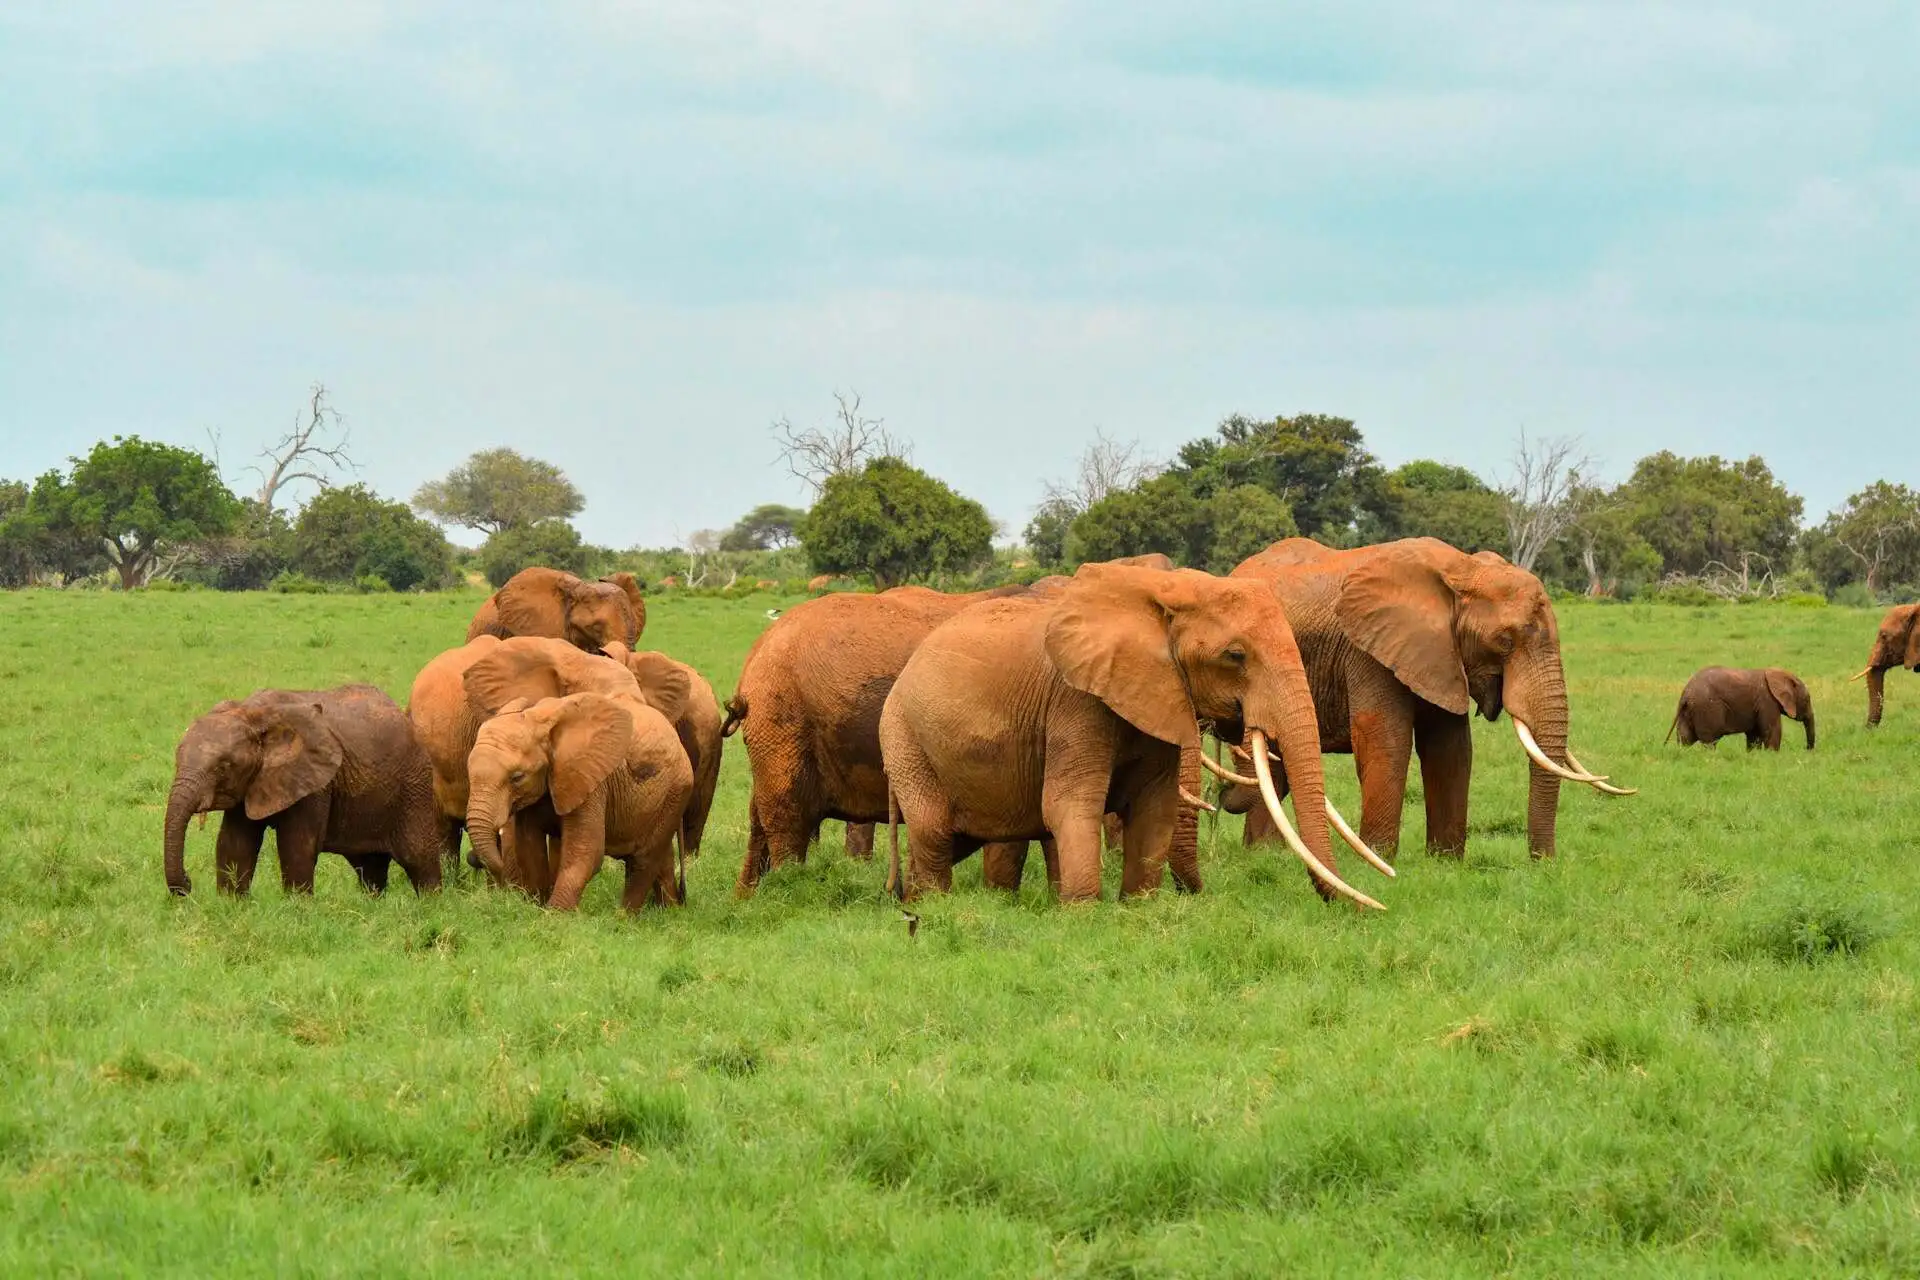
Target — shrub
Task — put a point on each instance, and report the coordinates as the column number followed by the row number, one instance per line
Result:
column 298, row 584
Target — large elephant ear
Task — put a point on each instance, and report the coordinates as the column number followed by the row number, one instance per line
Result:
column 663, row 682
column 298, row 756
column 1109, row 637
column 1913, row 636
column 1399, row 608
column 589, row 737
column 509, row 672
column 630, row 586
column 533, row 602
column 1781, row 685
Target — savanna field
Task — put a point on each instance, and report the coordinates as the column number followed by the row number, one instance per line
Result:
column 1688, row 1045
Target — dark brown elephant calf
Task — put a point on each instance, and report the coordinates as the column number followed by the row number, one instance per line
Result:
column 337, row 771
column 1722, row 701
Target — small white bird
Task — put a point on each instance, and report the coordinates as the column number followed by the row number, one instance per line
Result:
column 772, row 613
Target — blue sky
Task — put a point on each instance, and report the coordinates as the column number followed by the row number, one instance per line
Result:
column 628, row 236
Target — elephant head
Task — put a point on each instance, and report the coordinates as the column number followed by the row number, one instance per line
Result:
column 1896, row 645
column 1467, row 631
column 263, row 755
column 549, row 602
column 559, row 748
column 1790, row 692
column 535, row 667
column 1167, row 650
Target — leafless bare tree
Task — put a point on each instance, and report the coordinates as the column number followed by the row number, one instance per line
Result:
column 814, row 455
column 1753, row 578
column 314, row 448
column 1107, row 466
column 1541, row 494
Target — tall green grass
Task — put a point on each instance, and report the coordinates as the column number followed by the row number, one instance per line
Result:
column 1687, row 1045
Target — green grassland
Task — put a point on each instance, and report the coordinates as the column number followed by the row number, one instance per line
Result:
column 1687, row 1045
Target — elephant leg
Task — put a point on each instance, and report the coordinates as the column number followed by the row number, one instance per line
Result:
column 1382, row 750
column 450, row 832
column 754, row 865
column 1003, row 864
column 1445, row 744
column 296, row 836
column 1148, row 836
column 929, row 859
column 237, row 851
column 1770, row 726
column 372, row 869
column 859, row 843
column 533, row 875
column 1074, row 814
column 1113, row 833
column 583, row 847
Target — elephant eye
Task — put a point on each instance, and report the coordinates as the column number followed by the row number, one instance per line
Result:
column 1235, row 654
column 518, row 776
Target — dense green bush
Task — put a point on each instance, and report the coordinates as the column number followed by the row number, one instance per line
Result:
column 553, row 543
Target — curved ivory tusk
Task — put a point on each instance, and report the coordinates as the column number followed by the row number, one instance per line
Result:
column 1604, row 788
column 1292, row 837
column 1866, row 670
column 1245, row 754
column 1224, row 774
column 1353, row 839
column 1196, row 801
column 1540, row 757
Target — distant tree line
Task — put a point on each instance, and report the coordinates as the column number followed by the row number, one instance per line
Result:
column 131, row 512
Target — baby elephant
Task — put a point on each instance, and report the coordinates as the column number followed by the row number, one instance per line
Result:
column 1719, row 701
column 336, row 771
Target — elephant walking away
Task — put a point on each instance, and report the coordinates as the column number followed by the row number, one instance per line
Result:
column 1896, row 644
column 561, row 606
column 808, row 706
column 1721, row 701
column 336, row 771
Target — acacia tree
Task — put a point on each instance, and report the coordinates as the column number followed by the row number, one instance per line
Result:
column 499, row 489
column 146, row 501
column 768, row 527
column 894, row 522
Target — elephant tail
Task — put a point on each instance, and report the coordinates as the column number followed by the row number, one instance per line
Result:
column 1675, row 722
column 896, row 879
column 736, row 712
column 680, row 860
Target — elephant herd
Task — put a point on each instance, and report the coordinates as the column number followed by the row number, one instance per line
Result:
column 1075, row 712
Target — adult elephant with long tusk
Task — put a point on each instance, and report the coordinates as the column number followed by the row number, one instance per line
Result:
column 1401, row 641
column 1896, row 644
column 1030, row 718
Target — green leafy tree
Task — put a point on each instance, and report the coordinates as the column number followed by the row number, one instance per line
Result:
column 767, row 527
column 1695, row 512
column 1427, row 499
column 1873, row 538
column 894, row 522
column 1317, row 463
column 552, row 543
column 498, row 489
column 1161, row 515
column 1242, row 521
column 143, row 499
column 258, row 549
column 1046, row 533
column 351, row 533
column 39, row 541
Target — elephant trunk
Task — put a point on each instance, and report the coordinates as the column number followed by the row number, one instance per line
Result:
column 484, row 820
column 189, row 796
column 1545, row 715
column 1876, row 694
column 1809, row 721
